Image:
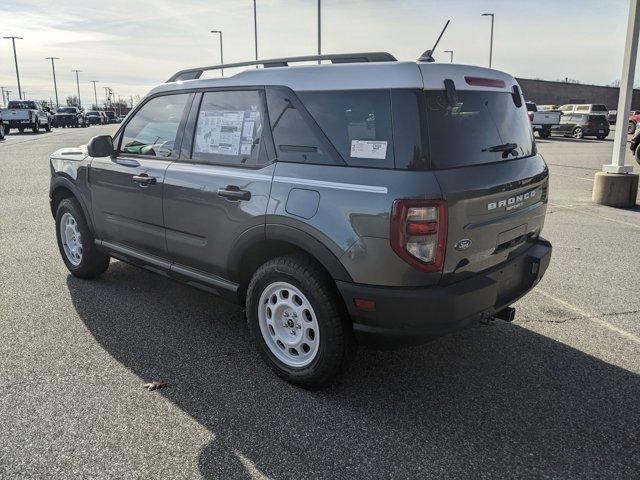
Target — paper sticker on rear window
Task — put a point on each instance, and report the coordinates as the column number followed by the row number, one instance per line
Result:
column 369, row 149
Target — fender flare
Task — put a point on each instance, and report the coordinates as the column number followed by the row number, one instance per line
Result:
column 294, row 236
column 62, row 181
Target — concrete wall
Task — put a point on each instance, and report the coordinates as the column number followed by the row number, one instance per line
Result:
column 545, row 93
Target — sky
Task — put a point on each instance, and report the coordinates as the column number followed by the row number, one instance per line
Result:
column 132, row 45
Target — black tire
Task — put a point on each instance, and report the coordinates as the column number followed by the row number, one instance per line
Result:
column 21, row 129
column 601, row 137
column 2, row 132
column 578, row 133
column 637, row 155
column 93, row 262
column 336, row 345
column 7, row 129
column 631, row 129
column 36, row 127
column 47, row 127
column 544, row 133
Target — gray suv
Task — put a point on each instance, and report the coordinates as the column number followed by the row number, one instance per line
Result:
column 359, row 201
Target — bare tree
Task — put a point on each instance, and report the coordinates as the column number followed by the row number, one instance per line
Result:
column 72, row 101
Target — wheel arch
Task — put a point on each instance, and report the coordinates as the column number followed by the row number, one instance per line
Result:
column 62, row 188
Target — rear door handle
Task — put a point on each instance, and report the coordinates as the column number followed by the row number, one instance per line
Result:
column 233, row 192
column 143, row 179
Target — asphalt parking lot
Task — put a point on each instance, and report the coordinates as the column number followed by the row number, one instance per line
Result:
column 555, row 394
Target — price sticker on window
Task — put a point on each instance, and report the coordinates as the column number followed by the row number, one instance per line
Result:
column 376, row 149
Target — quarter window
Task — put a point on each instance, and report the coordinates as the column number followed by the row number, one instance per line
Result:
column 229, row 128
column 154, row 128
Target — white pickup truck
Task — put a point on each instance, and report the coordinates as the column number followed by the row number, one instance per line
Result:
column 542, row 122
column 23, row 114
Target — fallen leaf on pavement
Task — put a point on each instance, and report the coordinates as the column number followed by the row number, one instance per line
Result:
column 155, row 385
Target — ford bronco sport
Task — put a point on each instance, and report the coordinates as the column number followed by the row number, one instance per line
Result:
column 365, row 200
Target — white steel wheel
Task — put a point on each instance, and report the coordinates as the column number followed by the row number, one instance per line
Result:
column 71, row 239
column 288, row 324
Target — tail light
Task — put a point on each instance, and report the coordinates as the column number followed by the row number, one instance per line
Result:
column 419, row 232
column 531, row 117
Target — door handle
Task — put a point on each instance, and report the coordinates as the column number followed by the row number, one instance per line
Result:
column 143, row 179
column 233, row 192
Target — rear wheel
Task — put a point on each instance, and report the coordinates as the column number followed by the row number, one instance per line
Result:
column 36, row 127
column 21, row 129
column 298, row 321
column 544, row 133
column 2, row 131
column 47, row 127
column 7, row 129
column 601, row 137
column 637, row 155
column 632, row 128
column 76, row 242
column 578, row 133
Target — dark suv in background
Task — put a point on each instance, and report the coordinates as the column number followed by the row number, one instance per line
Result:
column 70, row 117
column 581, row 125
column 366, row 201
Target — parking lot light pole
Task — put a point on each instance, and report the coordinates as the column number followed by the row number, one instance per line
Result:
column 450, row 52
column 2, row 89
column 616, row 185
column 15, row 58
column 55, row 85
column 78, row 85
column 95, row 93
column 221, row 57
column 491, row 41
column 7, row 92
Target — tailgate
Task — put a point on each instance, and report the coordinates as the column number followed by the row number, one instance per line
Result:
column 494, row 211
column 546, row 118
column 15, row 114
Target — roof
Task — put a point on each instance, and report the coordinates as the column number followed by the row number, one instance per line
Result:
column 351, row 76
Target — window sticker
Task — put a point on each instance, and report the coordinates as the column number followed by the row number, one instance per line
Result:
column 369, row 149
column 219, row 131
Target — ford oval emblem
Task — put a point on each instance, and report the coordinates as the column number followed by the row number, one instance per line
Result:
column 462, row 244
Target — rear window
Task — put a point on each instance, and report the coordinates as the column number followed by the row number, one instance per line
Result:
column 598, row 119
column 480, row 122
column 67, row 110
column 358, row 123
column 22, row 105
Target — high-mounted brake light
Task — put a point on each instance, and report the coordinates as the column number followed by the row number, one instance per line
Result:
column 419, row 232
column 485, row 82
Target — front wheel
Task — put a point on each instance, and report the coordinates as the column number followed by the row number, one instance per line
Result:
column 631, row 128
column 578, row 133
column 2, row 132
column 47, row 127
column 298, row 321
column 76, row 242
column 601, row 137
column 544, row 133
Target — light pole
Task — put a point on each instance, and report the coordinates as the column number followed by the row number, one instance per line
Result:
column 78, row 85
column 2, row 89
column 7, row 92
column 319, row 31
column 221, row 57
column 255, row 29
column 55, row 86
column 15, row 58
column 450, row 52
column 95, row 93
column 106, row 96
column 491, row 44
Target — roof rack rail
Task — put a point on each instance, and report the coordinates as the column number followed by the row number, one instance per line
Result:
column 195, row 73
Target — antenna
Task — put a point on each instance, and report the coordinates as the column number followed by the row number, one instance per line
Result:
column 428, row 55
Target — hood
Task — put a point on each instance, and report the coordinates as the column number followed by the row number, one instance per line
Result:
column 70, row 153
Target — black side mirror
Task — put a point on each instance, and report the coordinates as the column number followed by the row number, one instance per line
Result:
column 100, row 146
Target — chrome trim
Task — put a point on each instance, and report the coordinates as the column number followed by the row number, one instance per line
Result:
column 335, row 185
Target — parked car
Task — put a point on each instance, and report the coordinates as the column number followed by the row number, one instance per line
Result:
column 25, row 114
column 542, row 122
column 70, row 117
column 634, row 119
column 593, row 108
column 111, row 116
column 307, row 195
column 94, row 117
column 580, row 125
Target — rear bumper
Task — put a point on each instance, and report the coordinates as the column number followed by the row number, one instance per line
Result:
column 406, row 316
column 19, row 123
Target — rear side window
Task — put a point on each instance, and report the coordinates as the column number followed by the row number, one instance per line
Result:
column 295, row 138
column 477, row 129
column 229, row 128
column 358, row 124
column 582, row 108
column 599, row 108
column 153, row 129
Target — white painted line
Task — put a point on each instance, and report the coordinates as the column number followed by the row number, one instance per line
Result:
column 592, row 317
column 554, row 174
column 622, row 222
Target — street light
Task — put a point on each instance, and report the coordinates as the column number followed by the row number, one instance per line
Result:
column 15, row 58
column 255, row 29
column 55, row 86
column 78, row 85
column 451, row 53
column 95, row 94
column 221, row 57
column 491, row 44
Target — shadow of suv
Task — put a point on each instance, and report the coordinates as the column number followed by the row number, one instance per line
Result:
column 365, row 201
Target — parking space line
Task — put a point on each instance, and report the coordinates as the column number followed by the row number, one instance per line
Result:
column 591, row 317
column 622, row 222
column 554, row 174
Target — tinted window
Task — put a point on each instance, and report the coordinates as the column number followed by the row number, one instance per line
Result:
column 67, row 110
column 409, row 117
column 358, row 123
column 531, row 107
column 293, row 132
column 153, row 129
column 229, row 128
column 465, row 133
column 22, row 105
column 599, row 108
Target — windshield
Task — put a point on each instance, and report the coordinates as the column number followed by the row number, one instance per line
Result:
column 67, row 110
column 482, row 127
column 22, row 105
column 93, row 114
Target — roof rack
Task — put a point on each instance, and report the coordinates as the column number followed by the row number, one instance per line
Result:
column 195, row 73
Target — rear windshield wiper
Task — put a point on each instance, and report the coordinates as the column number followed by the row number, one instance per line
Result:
column 505, row 147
